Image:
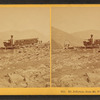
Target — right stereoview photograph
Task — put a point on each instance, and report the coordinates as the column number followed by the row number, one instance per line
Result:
column 75, row 46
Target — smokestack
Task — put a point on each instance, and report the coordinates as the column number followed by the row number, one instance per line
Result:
column 11, row 40
column 11, row 36
column 91, row 36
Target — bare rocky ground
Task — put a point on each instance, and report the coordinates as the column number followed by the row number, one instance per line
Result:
column 25, row 67
column 76, row 68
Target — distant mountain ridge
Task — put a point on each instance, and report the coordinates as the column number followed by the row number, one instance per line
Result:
column 86, row 34
column 75, row 39
column 22, row 35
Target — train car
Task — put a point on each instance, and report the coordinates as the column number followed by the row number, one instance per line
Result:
column 23, row 42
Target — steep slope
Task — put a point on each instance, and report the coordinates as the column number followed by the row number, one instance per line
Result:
column 55, row 45
column 61, row 37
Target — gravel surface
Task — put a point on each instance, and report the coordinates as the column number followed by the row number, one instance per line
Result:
column 25, row 67
column 76, row 68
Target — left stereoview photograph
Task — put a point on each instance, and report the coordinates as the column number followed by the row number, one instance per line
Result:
column 24, row 47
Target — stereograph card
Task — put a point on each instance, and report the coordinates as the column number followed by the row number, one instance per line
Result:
column 50, row 49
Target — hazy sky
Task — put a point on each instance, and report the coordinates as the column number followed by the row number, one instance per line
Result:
column 74, row 19
column 21, row 19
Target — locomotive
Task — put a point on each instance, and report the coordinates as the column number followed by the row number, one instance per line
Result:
column 90, row 43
